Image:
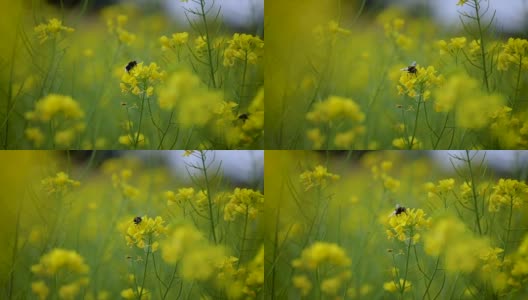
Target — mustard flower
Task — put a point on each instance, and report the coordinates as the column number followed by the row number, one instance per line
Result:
column 403, row 143
column 408, row 225
column 177, row 39
column 59, row 184
column 473, row 107
column 317, row 138
column 142, row 231
column 380, row 172
column 140, row 80
column 319, row 177
column 198, row 258
column 443, row 187
column 243, row 202
column 419, row 83
column 245, row 48
column 67, row 117
column 134, row 294
column 53, row 28
column 508, row 192
column 515, row 52
column 121, row 180
column 115, row 24
column 335, row 108
column 461, row 2
column 393, row 287
column 320, row 254
column 60, row 259
column 183, row 195
column 40, row 289
column 393, row 30
column 461, row 250
column 329, row 33
column 130, row 139
column 455, row 44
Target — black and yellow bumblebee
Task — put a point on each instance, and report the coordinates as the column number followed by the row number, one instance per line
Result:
column 130, row 66
column 137, row 220
column 411, row 69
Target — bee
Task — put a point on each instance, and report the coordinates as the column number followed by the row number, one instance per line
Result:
column 137, row 220
column 244, row 117
column 399, row 210
column 411, row 69
column 130, row 66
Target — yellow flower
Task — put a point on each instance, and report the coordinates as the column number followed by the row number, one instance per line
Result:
column 141, row 79
column 335, row 109
column 143, row 233
column 54, row 105
column 419, row 83
column 243, row 202
column 402, row 143
column 302, row 283
column 319, row 177
column 515, row 52
column 393, row 287
column 408, row 224
column 508, row 192
column 244, row 48
column 35, row 135
column 461, row 2
column 52, row 28
column 177, row 39
column 319, row 254
column 60, row 259
column 131, row 294
column 40, row 289
column 316, row 137
column 59, row 184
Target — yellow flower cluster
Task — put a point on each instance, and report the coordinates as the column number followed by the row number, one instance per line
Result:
column 441, row 189
column 243, row 48
column 60, row 261
column 130, row 293
column 419, row 83
column 142, row 233
column 244, row 280
column 393, row 287
column 455, row 44
column 193, row 102
column 243, row 202
column 519, row 266
column 120, row 181
column 63, row 114
column 508, row 192
column 409, row 142
column 329, row 32
column 338, row 114
column 59, row 184
column 510, row 131
column 183, row 195
column 53, row 28
column 177, row 39
column 318, row 257
column 515, row 52
column 461, row 2
column 141, row 79
column 115, row 23
column 473, row 108
column 318, row 178
column 450, row 238
column 198, row 258
column 393, row 30
column 380, row 172
column 408, row 225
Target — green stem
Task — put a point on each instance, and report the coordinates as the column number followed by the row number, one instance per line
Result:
column 415, row 122
column 171, row 281
column 508, row 229
column 140, row 120
column 140, row 294
column 517, row 84
column 474, row 191
column 243, row 236
column 209, row 200
column 402, row 288
column 209, row 50
column 243, row 80
column 482, row 48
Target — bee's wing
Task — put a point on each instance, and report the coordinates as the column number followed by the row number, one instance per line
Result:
column 404, row 69
column 413, row 64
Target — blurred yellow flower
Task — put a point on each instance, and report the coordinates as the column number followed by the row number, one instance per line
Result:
column 59, row 184
column 40, row 289
column 52, row 28
column 393, row 287
column 319, row 177
column 60, row 259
